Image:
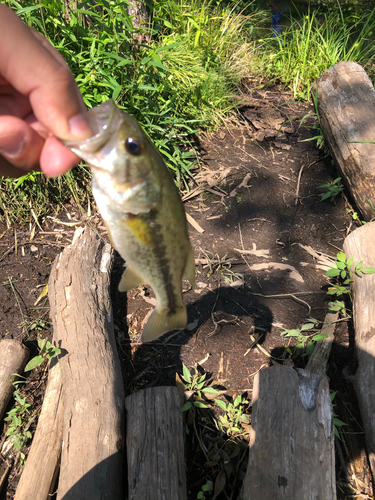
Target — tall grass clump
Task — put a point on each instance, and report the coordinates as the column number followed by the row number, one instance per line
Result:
column 312, row 44
column 182, row 81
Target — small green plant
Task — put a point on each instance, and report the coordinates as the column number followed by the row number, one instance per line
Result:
column 333, row 189
column 338, row 306
column 305, row 337
column 343, row 273
column 195, row 387
column 47, row 351
column 231, row 422
column 18, row 418
column 205, row 489
column 317, row 127
column 336, row 421
column 38, row 324
column 355, row 216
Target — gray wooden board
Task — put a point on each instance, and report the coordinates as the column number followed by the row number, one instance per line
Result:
column 155, row 445
column 13, row 358
column 360, row 245
column 45, row 451
column 92, row 384
column 292, row 440
column 346, row 105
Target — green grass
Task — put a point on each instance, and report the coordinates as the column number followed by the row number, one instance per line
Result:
column 183, row 81
column 312, row 44
column 179, row 84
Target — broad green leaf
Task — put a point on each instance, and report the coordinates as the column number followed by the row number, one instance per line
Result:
column 319, row 336
column 186, row 373
column 309, row 348
column 359, row 265
column 210, row 390
column 199, row 404
column 221, row 404
column 332, row 272
column 292, row 333
column 34, row 363
column 325, row 196
column 186, row 406
column 341, row 257
column 237, row 401
column 307, row 326
column 337, row 422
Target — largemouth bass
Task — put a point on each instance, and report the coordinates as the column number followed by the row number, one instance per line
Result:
column 143, row 213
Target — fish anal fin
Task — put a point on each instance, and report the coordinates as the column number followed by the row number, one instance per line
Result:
column 162, row 321
column 189, row 271
column 130, row 279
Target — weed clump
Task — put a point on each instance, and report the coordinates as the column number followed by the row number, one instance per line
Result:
column 182, row 81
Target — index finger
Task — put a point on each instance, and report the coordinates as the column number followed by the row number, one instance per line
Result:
column 43, row 76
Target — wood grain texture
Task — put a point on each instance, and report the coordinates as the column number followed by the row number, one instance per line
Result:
column 318, row 360
column 155, row 445
column 292, row 440
column 360, row 245
column 13, row 358
column 92, row 385
column 45, row 451
column 346, row 106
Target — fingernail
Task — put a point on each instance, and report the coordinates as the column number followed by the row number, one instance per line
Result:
column 12, row 145
column 79, row 127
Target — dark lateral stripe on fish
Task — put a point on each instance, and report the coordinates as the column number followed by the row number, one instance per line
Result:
column 160, row 250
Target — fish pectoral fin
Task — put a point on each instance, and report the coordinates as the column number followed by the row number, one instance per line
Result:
column 130, row 279
column 189, row 271
column 162, row 321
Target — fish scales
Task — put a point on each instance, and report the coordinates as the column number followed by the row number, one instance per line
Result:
column 143, row 213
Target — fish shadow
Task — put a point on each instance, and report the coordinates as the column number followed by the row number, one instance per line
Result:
column 217, row 319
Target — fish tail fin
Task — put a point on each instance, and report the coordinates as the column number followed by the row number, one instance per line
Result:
column 162, row 321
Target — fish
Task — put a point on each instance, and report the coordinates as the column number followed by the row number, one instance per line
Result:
column 142, row 210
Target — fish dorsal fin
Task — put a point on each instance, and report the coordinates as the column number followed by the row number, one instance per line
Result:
column 189, row 271
column 162, row 321
column 130, row 279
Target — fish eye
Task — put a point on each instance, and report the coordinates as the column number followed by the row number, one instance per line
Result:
column 133, row 146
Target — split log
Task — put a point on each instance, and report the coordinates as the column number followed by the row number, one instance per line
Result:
column 155, row 445
column 360, row 245
column 92, row 384
column 292, row 439
column 346, row 103
column 45, row 451
column 13, row 358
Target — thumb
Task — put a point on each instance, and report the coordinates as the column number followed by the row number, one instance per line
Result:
column 34, row 68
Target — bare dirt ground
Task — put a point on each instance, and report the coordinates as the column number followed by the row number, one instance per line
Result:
column 255, row 201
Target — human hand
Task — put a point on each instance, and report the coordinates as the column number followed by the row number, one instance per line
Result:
column 39, row 101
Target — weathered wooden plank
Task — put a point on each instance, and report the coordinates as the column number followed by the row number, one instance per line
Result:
column 155, row 445
column 13, row 359
column 346, row 105
column 45, row 451
column 92, row 385
column 360, row 245
column 319, row 358
column 292, row 440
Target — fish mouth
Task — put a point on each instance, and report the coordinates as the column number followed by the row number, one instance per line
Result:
column 104, row 120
